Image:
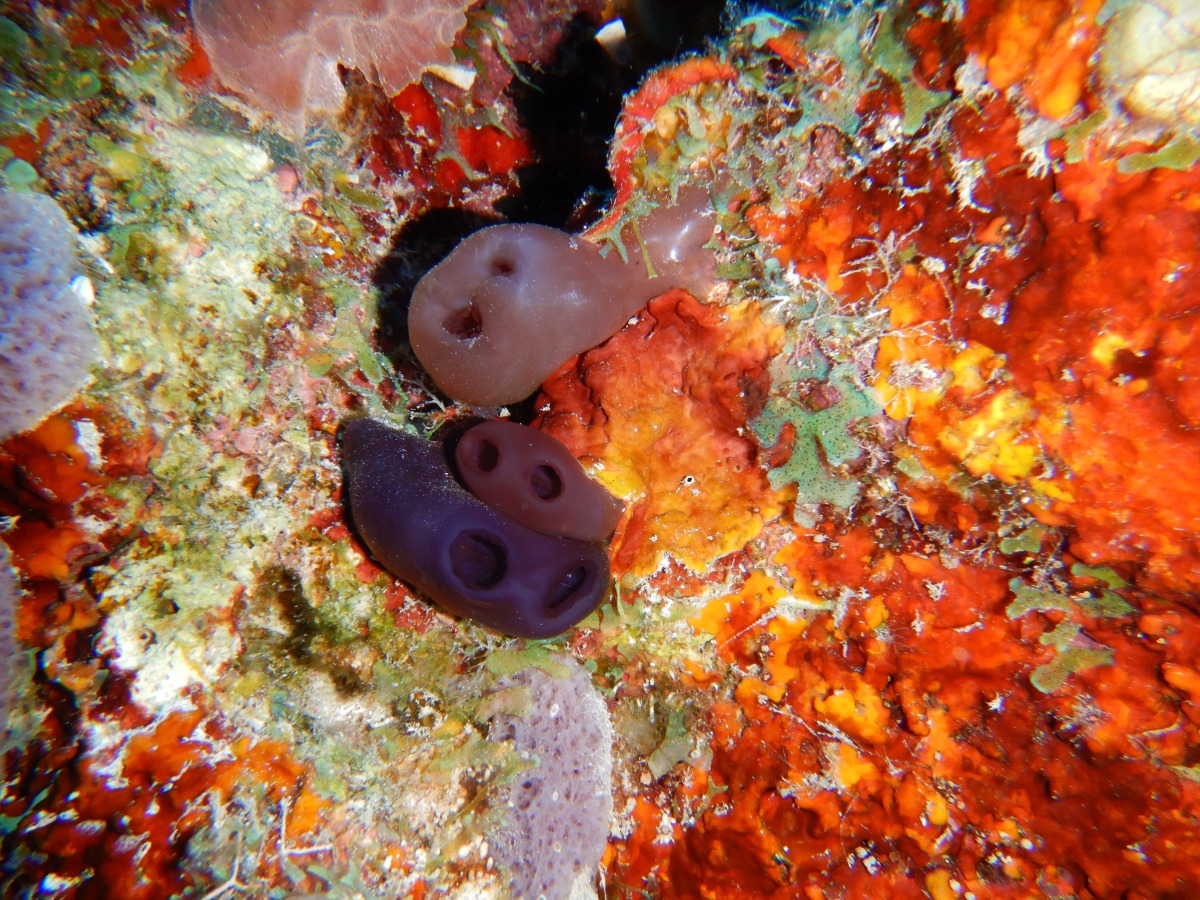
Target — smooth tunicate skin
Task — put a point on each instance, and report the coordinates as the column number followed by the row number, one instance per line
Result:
column 532, row 478
column 509, row 305
column 675, row 235
column 513, row 303
column 475, row 562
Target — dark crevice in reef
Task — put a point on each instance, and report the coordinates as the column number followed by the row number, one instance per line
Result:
column 569, row 110
column 416, row 248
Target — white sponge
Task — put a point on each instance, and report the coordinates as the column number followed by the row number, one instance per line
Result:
column 559, row 813
column 46, row 337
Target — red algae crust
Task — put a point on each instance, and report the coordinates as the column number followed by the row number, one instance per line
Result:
column 658, row 413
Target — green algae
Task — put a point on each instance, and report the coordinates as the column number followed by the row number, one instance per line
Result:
column 822, row 441
column 891, row 56
column 49, row 75
column 1029, row 599
column 1078, row 135
column 1181, row 153
column 1070, row 658
column 1027, row 540
column 1071, row 654
column 1051, row 676
column 538, row 654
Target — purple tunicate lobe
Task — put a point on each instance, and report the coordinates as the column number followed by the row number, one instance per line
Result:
column 474, row 561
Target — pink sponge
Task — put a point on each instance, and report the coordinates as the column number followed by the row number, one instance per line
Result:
column 46, row 337
column 283, row 54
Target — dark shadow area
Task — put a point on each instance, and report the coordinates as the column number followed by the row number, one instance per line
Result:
column 279, row 598
column 660, row 30
column 569, row 110
column 416, row 248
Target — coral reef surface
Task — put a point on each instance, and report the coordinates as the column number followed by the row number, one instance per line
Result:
column 906, row 594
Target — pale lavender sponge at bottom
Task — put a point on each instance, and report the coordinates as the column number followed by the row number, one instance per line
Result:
column 559, row 813
column 46, row 337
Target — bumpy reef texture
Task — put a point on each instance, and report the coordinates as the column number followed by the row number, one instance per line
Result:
column 906, row 588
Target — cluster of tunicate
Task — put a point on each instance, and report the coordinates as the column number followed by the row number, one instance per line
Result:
column 487, row 561
column 516, row 542
column 46, row 338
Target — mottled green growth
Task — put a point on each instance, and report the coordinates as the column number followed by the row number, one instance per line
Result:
column 47, row 75
column 510, row 701
column 819, row 102
column 1107, row 605
column 349, row 188
column 1076, row 136
column 822, row 441
column 1031, row 598
column 1027, row 540
column 911, row 467
column 18, row 174
column 1180, row 153
column 1070, row 656
column 15, row 44
column 890, row 55
column 352, row 335
column 1050, row 677
column 536, row 655
column 676, row 746
column 1100, row 573
column 1061, row 637
column 123, row 163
